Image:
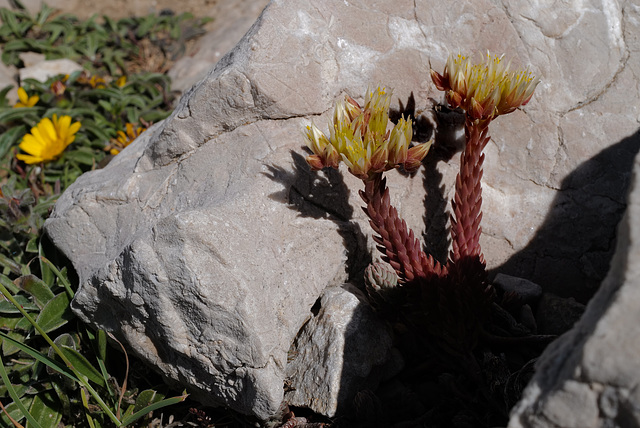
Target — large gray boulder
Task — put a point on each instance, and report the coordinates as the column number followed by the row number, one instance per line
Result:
column 205, row 244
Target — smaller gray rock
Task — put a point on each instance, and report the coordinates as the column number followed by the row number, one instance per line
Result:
column 342, row 350
column 527, row 291
column 527, row 319
column 30, row 59
column 557, row 315
column 46, row 69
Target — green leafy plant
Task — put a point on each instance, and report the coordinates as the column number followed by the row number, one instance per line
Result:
column 55, row 371
column 42, row 367
column 117, row 46
column 103, row 111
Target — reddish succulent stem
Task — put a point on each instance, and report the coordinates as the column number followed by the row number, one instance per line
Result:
column 395, row 240
column 467, row 203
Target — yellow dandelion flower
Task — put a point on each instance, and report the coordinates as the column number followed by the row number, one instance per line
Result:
column 124, row 138
column 48, row 139
column 359, row 137
column 25, row 99
column 487, row 89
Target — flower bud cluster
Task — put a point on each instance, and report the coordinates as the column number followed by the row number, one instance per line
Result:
column 359, row 137
column 484, row 90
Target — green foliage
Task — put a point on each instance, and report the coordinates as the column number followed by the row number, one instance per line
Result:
column 55, row 371
column 29, row 191
column 44, row 368
column 97, row 43
column 102, row 102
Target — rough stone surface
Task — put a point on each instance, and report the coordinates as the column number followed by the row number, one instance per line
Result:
column 337, row 350
column 205, row 243
column 589, row 377
column 231, row 22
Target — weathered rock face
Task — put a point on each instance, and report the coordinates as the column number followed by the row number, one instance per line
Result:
column 589, row 377
column 205, row 244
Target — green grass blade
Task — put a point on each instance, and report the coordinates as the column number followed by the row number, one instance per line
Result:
column 45, row 271
column 14, row 396
column 40, row 357
column 163, row 403
column 58, row 351
column 83, row 365
column 85, row 403
column 63, row 278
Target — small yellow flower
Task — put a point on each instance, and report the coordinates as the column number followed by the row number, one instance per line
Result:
column 97, row 82
column 124, row 139
column 122, row 80
column 359, row 137
column 25, row 100
column 48, row 139
column 484, row 90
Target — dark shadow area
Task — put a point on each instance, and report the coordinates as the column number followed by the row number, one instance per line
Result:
column 571, row 251
column 448, row 139
column 325, row 196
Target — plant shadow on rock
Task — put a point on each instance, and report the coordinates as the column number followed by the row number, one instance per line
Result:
column 571, row 251
column 323, row 196
column 448, row 138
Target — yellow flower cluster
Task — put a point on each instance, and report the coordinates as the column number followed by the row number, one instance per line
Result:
column 359, row 137
column 48, row 139
column 124, row 139
column 484, row 90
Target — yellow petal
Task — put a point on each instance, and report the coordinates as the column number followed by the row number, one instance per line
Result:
column 29, row 159
column 68, row 141
column 63, row 126
column 30, row 145
column 47, row 129
column 22, row 96
column 38, row 135
column 74, row 128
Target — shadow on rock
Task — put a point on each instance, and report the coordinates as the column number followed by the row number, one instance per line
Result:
column 323, row 195
column 571, row 251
